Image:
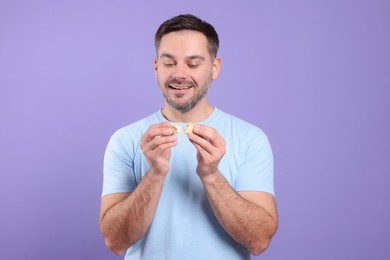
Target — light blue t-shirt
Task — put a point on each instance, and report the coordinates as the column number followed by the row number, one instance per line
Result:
column 184, row 226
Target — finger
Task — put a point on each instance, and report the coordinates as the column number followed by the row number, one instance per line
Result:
column 202, row 152
column 202, row 143
column 160, row 129
column 208, row 133
column 165, row 146
column 161, row 142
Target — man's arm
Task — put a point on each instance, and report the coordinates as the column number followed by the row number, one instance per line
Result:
column 250, row 218
column 124, row 217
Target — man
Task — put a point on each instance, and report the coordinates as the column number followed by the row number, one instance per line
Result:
column 207, row 194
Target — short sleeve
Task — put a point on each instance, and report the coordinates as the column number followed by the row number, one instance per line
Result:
column 256, row 172
column 118, row 168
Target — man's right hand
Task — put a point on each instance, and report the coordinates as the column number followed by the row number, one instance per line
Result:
column 156, row 144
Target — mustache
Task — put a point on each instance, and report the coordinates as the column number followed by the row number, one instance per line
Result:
column 180, row 82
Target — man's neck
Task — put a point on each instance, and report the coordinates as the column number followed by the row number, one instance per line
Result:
column 197, row 114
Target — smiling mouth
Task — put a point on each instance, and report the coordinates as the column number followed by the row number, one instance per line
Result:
column 179, row 87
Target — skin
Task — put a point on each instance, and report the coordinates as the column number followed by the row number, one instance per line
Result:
column 184, row 70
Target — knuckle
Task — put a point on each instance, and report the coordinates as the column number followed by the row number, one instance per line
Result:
column 143, row 148
column 148, row 154
column 209, row 146
column 160, row 147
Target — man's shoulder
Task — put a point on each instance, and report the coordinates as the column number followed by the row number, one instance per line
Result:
column 237, row 123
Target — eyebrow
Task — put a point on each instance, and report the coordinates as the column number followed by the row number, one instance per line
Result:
column 196, row 57
column 192, row 57
column 166, row 55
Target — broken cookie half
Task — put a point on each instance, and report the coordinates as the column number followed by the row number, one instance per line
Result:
column 189, row 128
column 175, row 129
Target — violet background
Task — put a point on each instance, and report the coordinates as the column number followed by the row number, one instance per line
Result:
column 314, row 75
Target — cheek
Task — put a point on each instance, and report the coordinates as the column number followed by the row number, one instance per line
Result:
column 164, row 74
column 161, row 77
column 160, row 80
column 204, row 78
column 201, row 75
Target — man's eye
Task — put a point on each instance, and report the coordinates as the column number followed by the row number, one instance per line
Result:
column 192, row 66
column 169, row 64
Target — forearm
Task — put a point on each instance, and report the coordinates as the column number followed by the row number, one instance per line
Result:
column 247, row 223
column 126, row 222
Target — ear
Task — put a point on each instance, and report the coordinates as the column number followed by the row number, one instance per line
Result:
column 155, row 67
column 216, row 67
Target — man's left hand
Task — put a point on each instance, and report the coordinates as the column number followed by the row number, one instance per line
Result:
column 211, row 148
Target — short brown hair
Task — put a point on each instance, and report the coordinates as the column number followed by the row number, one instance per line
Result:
column 192, row 23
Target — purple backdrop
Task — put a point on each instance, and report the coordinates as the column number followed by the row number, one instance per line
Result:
column 314, row 75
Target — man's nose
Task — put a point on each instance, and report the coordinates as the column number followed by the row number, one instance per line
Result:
column 181, row 71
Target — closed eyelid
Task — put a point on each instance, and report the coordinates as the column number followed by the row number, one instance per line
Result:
column 195, row 61
column 168, row 62
column 193, row 65
column 191, row 61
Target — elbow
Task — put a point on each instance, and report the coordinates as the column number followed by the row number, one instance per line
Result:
column 263, row 243
column 112, row 243
column 111, row 240
column 117, row 243
column 260, row 247
column 113, row 247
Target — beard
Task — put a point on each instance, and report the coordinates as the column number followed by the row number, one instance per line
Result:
column 184, row 107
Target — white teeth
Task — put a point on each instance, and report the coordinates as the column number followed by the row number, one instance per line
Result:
column 179, row 88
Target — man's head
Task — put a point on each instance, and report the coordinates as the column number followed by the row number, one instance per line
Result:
column 191, row 23
column 186, row 62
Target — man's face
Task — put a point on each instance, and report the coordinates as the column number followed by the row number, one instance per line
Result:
column 185, row 69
